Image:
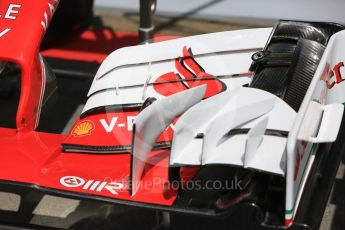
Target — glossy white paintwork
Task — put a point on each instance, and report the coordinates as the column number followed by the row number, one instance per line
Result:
column 152, row 121
column 322, row 123
column 317, row 92
column 254, row 139
column 200, row 133
column 229, row 53
column 223, row 53
column 330, row 124
column 206, row 44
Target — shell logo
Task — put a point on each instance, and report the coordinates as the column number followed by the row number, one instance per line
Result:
column 83, row 129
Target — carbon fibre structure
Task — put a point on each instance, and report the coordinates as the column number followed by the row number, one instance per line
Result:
column 303, row 67
column 314, row 31
column 289, row 61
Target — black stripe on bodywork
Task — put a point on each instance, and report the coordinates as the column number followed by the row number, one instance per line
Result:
column 118, row 149
column 112, row 108
column 268, row 132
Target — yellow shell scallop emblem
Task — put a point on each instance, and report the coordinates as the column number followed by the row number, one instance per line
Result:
column 83, row 129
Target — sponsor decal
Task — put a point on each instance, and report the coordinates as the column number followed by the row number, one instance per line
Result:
column 4, row 32
column 301, row 148
column 288, row 217
column 297, row 164
column 114, row 122
column 110, row 124
column 189, row 73
column 72, row 181
column 10, row 13
column 333, row 76
column 48, row 15
column 83, row 129
column 91, row 185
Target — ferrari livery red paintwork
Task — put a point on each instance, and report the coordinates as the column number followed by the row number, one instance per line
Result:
column 22, row 26
column 36, row 158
